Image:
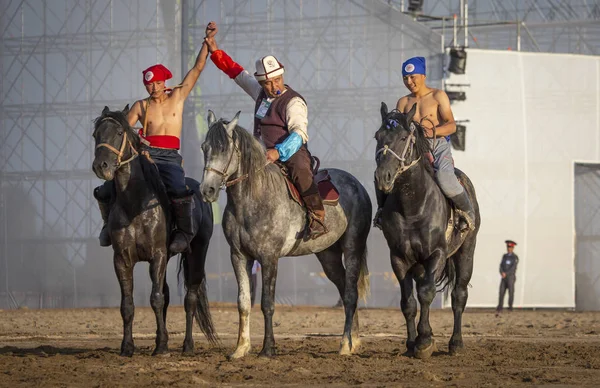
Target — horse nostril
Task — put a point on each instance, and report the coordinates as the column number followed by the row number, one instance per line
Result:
column 104, row 165
column 388, row 176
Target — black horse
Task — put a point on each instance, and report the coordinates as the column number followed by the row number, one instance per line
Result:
column 140, row 226
column 418, row 224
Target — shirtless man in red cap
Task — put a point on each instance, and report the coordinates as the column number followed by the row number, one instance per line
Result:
column 161, row 115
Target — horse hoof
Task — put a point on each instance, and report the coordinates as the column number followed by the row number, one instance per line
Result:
column 455, row 349
column 188, row 350
column 126, row 353
column 161, row 352
column 423, row 353
column 266, row 353
column 127, row 350
column 239, row 353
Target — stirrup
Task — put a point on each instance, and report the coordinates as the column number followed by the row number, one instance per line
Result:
column 313, row 233
column 377, row 219
column 464, row 221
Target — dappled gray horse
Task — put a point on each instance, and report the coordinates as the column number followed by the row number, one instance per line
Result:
column 418, row 223
column 262, row 223
column 140, row 226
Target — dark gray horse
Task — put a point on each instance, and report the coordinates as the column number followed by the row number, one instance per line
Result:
column 262, row 223
column 417, row 222
column 139, row 226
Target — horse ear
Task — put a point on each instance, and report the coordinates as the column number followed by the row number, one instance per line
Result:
column 411, row 114
column 210, row 118
column 126, row 110
column 233, row 123
column 384, row 111
column 105, row 110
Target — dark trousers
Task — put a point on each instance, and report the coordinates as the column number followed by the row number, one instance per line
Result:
column 253, row 280
column 169, row 163
column 171, row 173
column 300, row 169
column 507, row 283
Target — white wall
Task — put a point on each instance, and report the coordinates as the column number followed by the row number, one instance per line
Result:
column 532, row 115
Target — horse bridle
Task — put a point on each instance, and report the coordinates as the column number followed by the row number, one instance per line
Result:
column 121, row 151
column 406, row 152
column 224, row 182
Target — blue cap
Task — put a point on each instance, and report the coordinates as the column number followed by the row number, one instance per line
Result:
column 414, row 65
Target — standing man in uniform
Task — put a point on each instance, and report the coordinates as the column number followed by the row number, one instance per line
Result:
column 161, row 115
column 508, row 271
column 433, row 111
column 281, row 121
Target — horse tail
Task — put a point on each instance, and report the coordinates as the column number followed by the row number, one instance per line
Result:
column 202, row 310
column 364, row 283
column 448, row 278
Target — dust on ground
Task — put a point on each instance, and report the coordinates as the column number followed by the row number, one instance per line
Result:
column 80, row 348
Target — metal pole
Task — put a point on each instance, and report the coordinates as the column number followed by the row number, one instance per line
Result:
column 454, row 31
column 466, row 24
column 519, row 36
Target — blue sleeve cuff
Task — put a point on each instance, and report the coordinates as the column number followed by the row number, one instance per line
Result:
column 289, row 146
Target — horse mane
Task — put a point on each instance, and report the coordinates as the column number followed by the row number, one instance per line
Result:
column 149, row 169
column 251, row 151
column 422, row 147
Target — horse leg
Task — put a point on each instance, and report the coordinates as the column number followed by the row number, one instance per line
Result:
column 158, row 268
column 425, row 344
column 331, row 261
column 242, row 266
column 269, row 277
column 463, row 263
column 167, row 295
column 125, row 275
column 408, row 304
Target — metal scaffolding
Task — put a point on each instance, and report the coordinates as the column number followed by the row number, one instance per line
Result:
column 556, row 26
column 61, row 62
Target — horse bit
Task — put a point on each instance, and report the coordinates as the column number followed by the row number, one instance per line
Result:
column 121, row 151
column 408, row 149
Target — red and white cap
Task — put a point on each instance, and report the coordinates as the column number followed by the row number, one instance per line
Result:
column 268, row 67
column 156, row 73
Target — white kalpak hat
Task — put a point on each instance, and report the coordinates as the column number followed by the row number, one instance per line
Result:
column 268, row 67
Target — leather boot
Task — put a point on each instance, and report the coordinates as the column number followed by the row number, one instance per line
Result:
column 104, row 206
column 316, row 217
column 183, row 212
column 380, row 196
column 465, row 211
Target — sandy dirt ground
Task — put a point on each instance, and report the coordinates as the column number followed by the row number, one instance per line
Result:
column 80, row 348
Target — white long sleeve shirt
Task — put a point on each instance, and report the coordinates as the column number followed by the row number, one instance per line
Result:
column 296, row 109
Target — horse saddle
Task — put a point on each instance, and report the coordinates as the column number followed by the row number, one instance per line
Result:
column 327, row 190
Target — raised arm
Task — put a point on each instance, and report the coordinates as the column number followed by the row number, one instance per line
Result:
column 192, row 76
column 229, row 66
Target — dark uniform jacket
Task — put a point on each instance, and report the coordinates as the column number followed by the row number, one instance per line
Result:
column 508, row 265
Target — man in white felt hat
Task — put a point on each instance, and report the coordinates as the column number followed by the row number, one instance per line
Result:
column 280, row 120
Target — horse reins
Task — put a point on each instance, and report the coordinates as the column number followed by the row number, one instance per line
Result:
column 121, row 151
column 410, row 142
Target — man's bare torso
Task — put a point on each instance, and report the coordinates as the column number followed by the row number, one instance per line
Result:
column 427, row 113
column 163, row 117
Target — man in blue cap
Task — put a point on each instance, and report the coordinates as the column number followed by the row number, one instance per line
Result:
column 433, row 111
